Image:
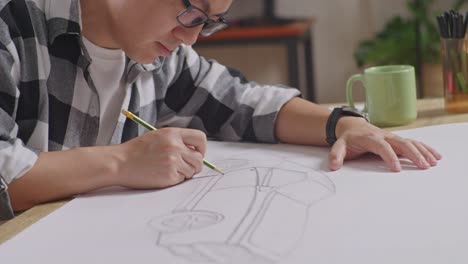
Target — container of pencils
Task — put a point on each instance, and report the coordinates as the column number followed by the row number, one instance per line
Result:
column 452, row 27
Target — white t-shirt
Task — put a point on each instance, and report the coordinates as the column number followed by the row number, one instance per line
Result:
column 106, row 70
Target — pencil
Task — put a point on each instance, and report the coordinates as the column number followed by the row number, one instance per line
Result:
column 142, row 122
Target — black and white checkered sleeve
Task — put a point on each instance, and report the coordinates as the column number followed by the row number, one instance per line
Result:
column 15, row 158
column 220, row 101
column 6, row 211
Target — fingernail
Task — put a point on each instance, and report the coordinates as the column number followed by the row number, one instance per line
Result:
column 396, row 166
column 334, row 164
column 423, row 162
column 433, row 161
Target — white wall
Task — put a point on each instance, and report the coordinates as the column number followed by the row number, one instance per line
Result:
column 340, row 26
column 245, row 8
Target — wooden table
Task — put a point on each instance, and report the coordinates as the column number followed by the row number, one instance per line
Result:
column 430, row 112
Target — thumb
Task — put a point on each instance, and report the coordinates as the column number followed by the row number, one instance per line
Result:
column 337, row 155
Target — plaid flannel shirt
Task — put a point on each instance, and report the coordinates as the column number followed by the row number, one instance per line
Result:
column 48, row 101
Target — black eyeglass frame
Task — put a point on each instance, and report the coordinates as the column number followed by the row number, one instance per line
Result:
column 221, row 22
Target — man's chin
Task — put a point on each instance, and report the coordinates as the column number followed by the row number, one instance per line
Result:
column 144, row 60
column 145, row 54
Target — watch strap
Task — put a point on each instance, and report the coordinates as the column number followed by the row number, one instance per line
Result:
column 331, row 125
column 332, row 121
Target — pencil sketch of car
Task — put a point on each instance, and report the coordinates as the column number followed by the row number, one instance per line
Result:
column 233, row 218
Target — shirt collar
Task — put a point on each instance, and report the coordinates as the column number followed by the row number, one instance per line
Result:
column 134, row 69
column 63, row 17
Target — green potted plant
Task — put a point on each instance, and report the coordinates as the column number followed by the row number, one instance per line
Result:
column 400, row 40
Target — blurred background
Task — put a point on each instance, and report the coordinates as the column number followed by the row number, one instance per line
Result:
column 346, row 37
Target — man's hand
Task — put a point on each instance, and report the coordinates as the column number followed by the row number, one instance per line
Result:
column 157, row 159
column 356, row 137
column 162, row 158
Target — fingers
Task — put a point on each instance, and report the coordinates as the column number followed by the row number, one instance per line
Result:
column 189, row 145
column 386, row 152
column 192, row 163
column 348, row 148
column 337, row 155
column 194, row 138
column 175, row 178
column 192, row 155
column 355, row 142
column 186, row 162
column 434, row 152
column 408, row 149
column 179, row 171
column 430, row 155
column 419, row 153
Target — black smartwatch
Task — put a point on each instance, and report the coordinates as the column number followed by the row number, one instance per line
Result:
column 335, row 115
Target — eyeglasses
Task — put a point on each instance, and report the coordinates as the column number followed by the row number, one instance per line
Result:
column 193, row 16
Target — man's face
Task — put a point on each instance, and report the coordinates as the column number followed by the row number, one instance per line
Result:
column 146, row 29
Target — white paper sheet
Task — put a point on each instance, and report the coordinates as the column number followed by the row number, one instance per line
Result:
column 276, row 204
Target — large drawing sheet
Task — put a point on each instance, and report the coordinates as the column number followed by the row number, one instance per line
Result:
column 276, row 204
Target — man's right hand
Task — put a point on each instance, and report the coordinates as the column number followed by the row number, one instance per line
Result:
column 161, row 158
column 157, row 159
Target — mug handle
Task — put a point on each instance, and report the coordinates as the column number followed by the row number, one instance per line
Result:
column 349, row 89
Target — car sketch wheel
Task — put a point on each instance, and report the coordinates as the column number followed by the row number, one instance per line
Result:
column 185, row 221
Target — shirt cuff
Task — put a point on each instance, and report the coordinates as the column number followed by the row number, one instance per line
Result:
column 265, row 125
column 16, row 160
column 6, row 211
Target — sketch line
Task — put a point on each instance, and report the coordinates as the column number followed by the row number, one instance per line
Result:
column 203, row 230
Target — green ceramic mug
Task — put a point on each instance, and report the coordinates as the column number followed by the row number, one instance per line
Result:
column 390, row 94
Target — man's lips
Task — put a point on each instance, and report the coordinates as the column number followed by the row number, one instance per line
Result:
column 166, row 51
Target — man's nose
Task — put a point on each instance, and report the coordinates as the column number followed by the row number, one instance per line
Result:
column 188, row 35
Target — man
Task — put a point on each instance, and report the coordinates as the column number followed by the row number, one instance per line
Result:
column 68, row 68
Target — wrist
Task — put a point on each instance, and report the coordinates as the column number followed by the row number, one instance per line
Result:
column 117, row 164
column 344, row 116
column 349, row 122
column 108, row 164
